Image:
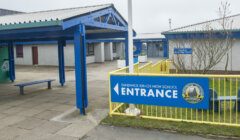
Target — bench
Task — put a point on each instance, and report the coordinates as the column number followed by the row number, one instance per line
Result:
column 217, row 100
column 22, row 85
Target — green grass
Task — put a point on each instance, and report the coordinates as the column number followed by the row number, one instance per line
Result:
column 231, row 86
column 180, row 127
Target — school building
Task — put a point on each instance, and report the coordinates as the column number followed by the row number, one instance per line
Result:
column 189, row 34
column 97, row 51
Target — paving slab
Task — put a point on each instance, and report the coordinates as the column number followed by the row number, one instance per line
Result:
column 9, row 133
column 29, row 112
column 3, row 116
column 31, row 104
column 50, row 127
column 80, row 125
column 13, row 110
column 10, row 120
column 47, row 114
column 61, row 107
column 15, row 102
column 77, row 130
column 4, row 107
column 34, row 136
column 29, row 123
column 45, row 106
column 60, row 137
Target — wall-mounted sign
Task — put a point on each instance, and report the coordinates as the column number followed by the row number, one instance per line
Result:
column 5, row 66
column 182, row 50
column 161, row 91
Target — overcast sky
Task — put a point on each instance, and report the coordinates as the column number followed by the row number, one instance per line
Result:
column 148, row 15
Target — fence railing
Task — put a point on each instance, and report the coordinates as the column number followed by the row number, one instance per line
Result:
column 224, row 102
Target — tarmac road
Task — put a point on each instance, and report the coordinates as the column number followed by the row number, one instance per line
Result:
column 123, row 133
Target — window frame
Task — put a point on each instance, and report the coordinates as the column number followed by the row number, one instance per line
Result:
column 19, row 51
column 90, row 49
column 114, row 48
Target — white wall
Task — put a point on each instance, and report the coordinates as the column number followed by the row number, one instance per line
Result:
column 90, row 59
column 120, row 49
column 48, row 55
column 27, row 56
column 99, row 52
column 234, row 57
column 108, row 51
column 69, row 55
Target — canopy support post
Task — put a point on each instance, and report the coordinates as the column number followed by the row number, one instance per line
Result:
column 80, row 68
column 61, row 66
column 165, row 48
column 11, row 61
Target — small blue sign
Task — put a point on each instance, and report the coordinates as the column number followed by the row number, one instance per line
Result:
column 161, row 91
column 137, row 48
column 182, row 50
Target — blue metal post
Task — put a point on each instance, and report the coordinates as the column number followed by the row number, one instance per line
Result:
column 61, row 66
column 165, row 48
column 126, row 50
column 11, row 61
column 80, row 68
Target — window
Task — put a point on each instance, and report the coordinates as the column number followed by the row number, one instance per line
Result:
column 114, row 47
column 19, row 51
column 90, row 49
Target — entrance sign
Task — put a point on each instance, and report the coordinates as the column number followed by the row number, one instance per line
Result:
column 161, row 91
column 182, row 50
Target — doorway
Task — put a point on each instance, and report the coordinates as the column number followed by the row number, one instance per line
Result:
column 35, row 55
column 155, row 49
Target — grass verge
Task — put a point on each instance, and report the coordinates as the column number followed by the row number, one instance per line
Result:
column 180, row 127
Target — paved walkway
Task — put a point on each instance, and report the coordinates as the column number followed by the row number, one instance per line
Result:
column 29, row 116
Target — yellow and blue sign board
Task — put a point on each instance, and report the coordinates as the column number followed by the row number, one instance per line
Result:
column 182, row 92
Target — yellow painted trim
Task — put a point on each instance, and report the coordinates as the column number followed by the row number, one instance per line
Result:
column 179, row 75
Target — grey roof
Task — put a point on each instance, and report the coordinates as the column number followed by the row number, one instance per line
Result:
column 149, row 36
column 215, row 25
column 4, row 12
column 51, row 15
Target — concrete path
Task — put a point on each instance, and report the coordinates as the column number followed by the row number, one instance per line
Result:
column 123, row 133
column 29, row 116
